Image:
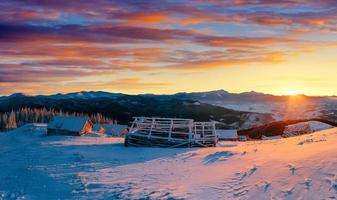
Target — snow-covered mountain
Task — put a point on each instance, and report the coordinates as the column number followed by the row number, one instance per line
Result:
column 86, row 95
column 37, row 167
column 281, row 107
column 260, row 105
column 123, row 107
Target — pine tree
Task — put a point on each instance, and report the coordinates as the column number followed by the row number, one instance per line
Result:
column 25, row 115
column 12, row 121
column 4, row 121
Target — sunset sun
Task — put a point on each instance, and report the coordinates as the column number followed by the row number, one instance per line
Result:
column 292, row 92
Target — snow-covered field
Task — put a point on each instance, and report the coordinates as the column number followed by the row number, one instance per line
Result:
column 37, row 167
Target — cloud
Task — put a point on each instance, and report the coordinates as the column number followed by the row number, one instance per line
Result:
column 309, row 12
column 15, row 73
column 230, row 58
column 243, row 42
column 54, row 43
column 125, row 84
column 146, row 17
column 135, row 83
column 272, row 3
column 51, row 87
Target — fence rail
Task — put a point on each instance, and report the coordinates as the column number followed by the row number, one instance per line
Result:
column 173, row 131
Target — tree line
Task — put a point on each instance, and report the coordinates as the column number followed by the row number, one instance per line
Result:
column 17, row 118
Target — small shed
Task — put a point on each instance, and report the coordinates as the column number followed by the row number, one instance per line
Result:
column 111, row 129
column 230, row 134
column 69, row 125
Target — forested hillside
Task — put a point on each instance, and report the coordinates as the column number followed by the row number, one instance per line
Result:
column 13, row 119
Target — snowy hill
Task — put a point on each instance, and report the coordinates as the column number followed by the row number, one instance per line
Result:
column 36, row 167
column 305, row 128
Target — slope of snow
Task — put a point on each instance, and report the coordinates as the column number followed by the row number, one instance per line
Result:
column 33, row 166
column 253, row 107
column 305, row 127
column 318, row 126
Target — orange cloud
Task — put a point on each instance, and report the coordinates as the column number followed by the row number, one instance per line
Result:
column 129, row 84
column 133, row 83
column 241, row 42
column 151, row 18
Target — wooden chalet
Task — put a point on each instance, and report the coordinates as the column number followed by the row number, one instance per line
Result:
column 69, row 125
column 171, row 132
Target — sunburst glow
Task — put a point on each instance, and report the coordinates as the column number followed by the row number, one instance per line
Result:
column 292, row 92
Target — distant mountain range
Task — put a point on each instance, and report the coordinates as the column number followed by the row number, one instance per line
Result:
column 123, row 107
column 215, row 95
column 242, row 110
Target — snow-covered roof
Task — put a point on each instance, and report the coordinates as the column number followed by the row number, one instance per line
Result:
column 227, row 134
column 68, row 123
column 109, row 128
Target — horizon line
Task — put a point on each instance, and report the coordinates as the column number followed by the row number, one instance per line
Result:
column 188, row 92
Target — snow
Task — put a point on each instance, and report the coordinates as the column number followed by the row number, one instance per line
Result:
column 318, row 126
column 271, row 137
column 281, row 110
column 227, row 134
column 250, row 107
column 69, row 123
column 33, row 166
column 305, row 127
column 252, row 120
column 111, row 129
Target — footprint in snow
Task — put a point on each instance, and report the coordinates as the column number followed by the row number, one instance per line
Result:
column 331, row 179
column 218, row 157
column 252, row 170
column 292, row 169
column 309, row 141
column 186, row 156
column 289, row 192
column 248, row 173
column 334, row 186
column 266, row 187
column 308, row 184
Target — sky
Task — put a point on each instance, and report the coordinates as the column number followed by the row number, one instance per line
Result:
column 281, row 47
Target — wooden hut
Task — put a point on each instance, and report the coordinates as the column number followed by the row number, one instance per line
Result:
column 69, row 125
